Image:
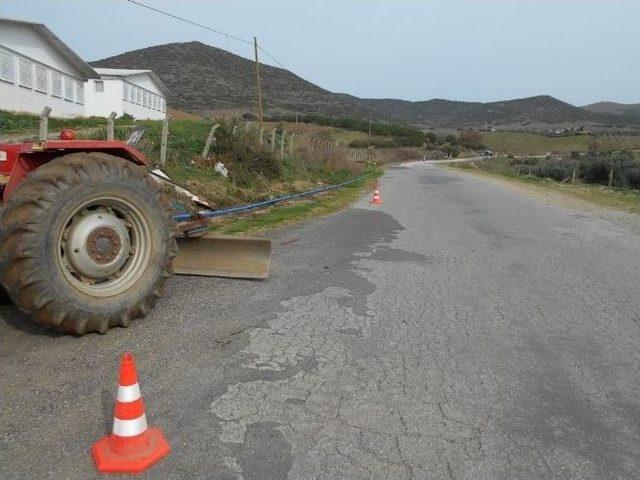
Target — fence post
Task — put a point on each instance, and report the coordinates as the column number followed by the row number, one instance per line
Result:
column 573, row 175
column 261, row 136
column 111, row 127
column 282, row 142
column 210, row 140
column 611, row 177
column 165, row 138
column 273, row 139
column 44, row 123
column 291, row 143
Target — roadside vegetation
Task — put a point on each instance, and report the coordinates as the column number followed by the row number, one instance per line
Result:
column 609, row 179
column 257, row 170
column 383, row 134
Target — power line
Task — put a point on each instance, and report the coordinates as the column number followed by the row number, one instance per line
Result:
column 205, row 27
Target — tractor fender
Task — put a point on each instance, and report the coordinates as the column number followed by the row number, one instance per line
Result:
column 33, row 155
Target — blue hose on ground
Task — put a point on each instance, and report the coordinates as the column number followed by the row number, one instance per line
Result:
column 181, row 217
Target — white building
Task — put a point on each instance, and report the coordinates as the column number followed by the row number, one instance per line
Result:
column 139, row 93
column 37, row 69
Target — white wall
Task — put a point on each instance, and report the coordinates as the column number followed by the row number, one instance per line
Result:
column 101, row 104
column 24, row 40
column 145, row 81
column 135, row 87
column 123, row 96
column 20, row 41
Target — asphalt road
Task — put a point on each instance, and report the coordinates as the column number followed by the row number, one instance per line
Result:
column 462, row 330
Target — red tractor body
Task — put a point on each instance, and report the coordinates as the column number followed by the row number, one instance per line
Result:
column 19, row 159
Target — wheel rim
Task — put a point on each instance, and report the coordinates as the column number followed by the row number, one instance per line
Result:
column 104, row 247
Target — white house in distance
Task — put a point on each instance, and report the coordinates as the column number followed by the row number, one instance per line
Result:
column 139, row 93
column 37, row 69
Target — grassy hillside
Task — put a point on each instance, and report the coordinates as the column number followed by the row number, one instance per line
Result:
column 517, row 143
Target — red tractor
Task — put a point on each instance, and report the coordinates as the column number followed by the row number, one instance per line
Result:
column 88, row 237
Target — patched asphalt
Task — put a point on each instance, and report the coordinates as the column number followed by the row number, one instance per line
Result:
column 462, row 330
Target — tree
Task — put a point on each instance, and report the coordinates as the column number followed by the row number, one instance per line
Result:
column 431, row 138
column 450, row 150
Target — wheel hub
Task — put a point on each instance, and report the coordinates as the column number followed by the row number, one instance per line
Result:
column 97, row 245
column 103, row 245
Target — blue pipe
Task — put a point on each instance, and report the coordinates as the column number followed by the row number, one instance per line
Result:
column 181, row 217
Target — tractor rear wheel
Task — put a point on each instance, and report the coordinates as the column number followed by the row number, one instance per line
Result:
column 87, row 242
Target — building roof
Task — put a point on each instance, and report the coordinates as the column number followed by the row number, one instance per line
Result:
column 64, row 50
column 125, row 72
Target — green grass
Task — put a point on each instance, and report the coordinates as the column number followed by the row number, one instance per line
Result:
column 297, row 211
column 611, row 198
column 518, row 143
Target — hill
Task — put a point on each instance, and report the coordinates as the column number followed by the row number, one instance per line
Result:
column 205, row 79
column 613, row 108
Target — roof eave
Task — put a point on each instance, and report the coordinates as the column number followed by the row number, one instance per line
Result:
column 73, row 58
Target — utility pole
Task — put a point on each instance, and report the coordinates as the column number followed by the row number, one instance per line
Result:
column 258, row 89
column 369, row 141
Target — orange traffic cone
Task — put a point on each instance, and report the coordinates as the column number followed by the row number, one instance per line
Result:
column 377, row 200
column 132, row 447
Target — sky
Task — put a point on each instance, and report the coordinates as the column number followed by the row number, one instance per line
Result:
column 580, row 51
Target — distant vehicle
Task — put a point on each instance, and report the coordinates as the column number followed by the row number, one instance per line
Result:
column 488, row 153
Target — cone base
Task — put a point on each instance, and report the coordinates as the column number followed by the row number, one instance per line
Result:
column 107, row 461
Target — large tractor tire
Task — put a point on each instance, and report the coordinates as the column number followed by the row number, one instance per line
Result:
column 87, row 242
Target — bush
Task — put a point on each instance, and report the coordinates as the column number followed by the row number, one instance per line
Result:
column 592, row 168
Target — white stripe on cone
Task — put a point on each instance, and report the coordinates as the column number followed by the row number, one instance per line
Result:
column 129, row 428
column 129, row 393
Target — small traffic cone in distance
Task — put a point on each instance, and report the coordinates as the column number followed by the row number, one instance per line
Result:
column 132, row 447
column 377, row 199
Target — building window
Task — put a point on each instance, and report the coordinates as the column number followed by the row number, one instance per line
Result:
column 162, row 105
column 154, row 103
column 68, row 89
column 80, row 93
column 25, row 73
column 56, row 84
column 98, row 86
column 138, row 96
column 42, row 79
column 125, row 91
column 7, row 67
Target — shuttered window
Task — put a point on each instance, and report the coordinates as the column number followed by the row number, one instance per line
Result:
column 80, row 93
column 25, row 73
column 7, row 67
column 138, row 96
column 145, row 99
column 125, row 91
column 42, row 79
column 56, row 84
column 68, row 89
